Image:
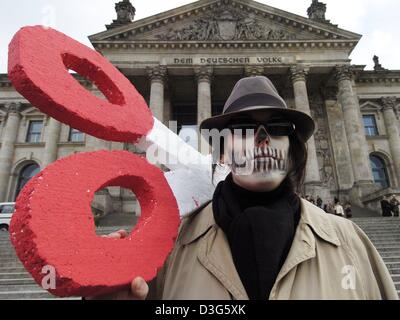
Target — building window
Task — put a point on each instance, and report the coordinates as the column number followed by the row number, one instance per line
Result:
column 26, row 174
column 34, row 131
column 371, row 129
column 75, row 135
column 379, row 171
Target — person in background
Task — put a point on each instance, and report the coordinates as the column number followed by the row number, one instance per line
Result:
column 338, row 209
column 347, row 210
column 386, row 207
column 312, row 200
column 329, row 208
column 395, row 205
column 319, row 202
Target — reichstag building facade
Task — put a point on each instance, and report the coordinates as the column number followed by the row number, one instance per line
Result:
column 185, row 63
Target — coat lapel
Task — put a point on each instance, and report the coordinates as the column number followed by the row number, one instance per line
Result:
column 313, row 222
column 215, row 255
column 213, row 250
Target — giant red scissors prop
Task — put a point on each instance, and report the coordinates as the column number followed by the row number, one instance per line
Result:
column 53, row 224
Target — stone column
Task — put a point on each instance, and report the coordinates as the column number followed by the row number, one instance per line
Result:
column 337, row 132
column 10, row 134
column 354, row 130
column 299, row 79
column 392, row 129
column 157, row 77
column 52, row 139
column 204, row 107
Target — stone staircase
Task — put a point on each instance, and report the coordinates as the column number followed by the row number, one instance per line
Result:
column 385, row 234
column 16, row 283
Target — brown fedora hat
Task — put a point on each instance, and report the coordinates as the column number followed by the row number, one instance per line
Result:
column 257, row 98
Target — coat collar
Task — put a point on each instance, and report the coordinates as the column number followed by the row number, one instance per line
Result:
column 201, row 221
column 319, row 222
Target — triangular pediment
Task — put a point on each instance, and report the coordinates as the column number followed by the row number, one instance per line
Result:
column 225, row 20
column 31, row 112
column 370, row 106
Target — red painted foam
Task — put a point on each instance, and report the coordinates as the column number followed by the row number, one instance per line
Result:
column 39, row 59
column 53, row 224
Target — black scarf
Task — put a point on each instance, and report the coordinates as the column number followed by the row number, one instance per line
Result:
column 260, row 228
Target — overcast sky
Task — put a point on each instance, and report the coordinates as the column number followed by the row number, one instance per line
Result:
column 377, row 21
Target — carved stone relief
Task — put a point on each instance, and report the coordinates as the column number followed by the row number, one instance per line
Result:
column 322, row 142
column 227, row 25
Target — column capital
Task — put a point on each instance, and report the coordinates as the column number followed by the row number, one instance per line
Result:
column 204, row 73
column 389, row 103
column 344, row 72
column 253, row 71
column 299, row 73
column 157, row 74
column 13, row 107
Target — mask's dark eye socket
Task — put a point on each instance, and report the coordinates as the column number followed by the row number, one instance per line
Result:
column 280, row 128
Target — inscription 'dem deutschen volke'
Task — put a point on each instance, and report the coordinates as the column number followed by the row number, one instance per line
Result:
column 230, row 60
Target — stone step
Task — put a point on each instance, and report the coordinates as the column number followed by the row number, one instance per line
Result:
column 26, row 295
column 382, row 244
column 388, row 248
column 10, row 264
column 14, row 275
column 389, row 253
column 16, row 269
column 13, row 281
column 391, row 224
column 386, row 242
column 4, row 257
column 394, row 271
column 390, row 229
column 382, row 231
column 376, row 220
column 396, row 278
column 391, row 258
column 379, row 227
column 20, row 288
column 386, row 254
column 9, row 259
column 7, row 251
column 397, row 284
column 394, row 259
column 383, row 238
column 380, row 241
column 394, row 235
column 392, row 265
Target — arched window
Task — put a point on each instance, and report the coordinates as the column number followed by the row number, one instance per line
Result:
column 379, row 172
column 26, row 174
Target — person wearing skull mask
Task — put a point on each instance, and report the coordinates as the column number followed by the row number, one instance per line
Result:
column 257, row 239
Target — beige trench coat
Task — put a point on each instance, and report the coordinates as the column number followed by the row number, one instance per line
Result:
column 330, row 258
